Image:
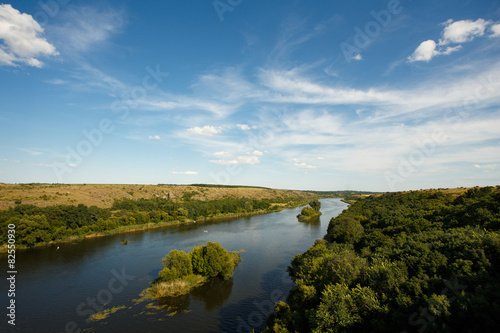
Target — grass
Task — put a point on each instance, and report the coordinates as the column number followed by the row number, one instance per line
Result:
column 177, row 287
column 106, row 313
column 103, row 195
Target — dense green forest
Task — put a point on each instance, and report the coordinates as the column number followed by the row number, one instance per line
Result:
column 401, row 262
column 35, row 225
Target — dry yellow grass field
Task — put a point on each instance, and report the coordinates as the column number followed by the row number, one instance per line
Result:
column 103, row 195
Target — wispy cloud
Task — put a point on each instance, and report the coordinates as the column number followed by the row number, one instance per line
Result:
column 83, row 28
column 248, row 158
column 32, row 152
column 184, row 172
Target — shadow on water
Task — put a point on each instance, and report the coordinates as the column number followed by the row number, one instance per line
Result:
column 213, row 294
column 275, row 285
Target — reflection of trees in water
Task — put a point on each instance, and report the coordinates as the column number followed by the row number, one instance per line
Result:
column 175, row 304
column 313, row 223
column 213, row 293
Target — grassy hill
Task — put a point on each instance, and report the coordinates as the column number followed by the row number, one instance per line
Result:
column 103, row 196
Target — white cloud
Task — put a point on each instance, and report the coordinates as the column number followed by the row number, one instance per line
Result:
column 358, row 57
column 243, row 127
column 205, row 130
column 154, row 137
column 184, row 172
column 424, row 52
column 298, row 163
column 222, row 154
column 453, row 33
column 248, row 158
column 495, row 30
column 22, row 41
column 462, row 31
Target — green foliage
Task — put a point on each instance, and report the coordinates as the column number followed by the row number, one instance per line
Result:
column 212, row 260
column 315, row 204
column 176, row 264
column 342, row 307
column 65, row 221
column 183, row 271
column 401, row 262
column 310, row 212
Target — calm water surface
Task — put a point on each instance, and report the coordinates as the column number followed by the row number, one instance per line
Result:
column 57, row 290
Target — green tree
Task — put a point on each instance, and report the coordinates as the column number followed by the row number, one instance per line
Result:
column 315, row 204
column 212, row 260
column 176, row 264
column 342, row 307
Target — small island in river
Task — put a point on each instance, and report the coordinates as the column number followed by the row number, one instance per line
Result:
column 184, row 271
column 311, row 212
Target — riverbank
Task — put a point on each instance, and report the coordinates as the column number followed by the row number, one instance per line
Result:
column 151, row 226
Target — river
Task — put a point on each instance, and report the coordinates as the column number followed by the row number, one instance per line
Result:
column 57, row 289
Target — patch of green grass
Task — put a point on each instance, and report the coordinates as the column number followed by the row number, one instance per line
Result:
column 176, row 287
column 106, row 313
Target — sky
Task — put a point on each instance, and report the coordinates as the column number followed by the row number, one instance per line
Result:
column 324, row 95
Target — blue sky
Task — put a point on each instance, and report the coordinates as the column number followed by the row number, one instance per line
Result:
column 362, row 95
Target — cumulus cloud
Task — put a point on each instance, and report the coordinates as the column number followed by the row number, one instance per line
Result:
column 184, row 172
column 222, row 154
column 425, row 51
column 205, row 130
column 495, row 30
column 154, row 137
column 462, row 31
column 21, row 39
column 358, row 57
column 457, row 32
column 243, row 127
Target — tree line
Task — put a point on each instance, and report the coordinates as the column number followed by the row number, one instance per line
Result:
column 36, row 225
column 401, row 262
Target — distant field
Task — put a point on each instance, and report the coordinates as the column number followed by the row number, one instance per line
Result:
column 103, row 196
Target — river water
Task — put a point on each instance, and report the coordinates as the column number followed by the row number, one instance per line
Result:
column 57, row 289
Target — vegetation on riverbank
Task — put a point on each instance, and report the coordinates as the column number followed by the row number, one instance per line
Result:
column 38, row 226
column 415, row 261
column 183, row 271
column 311, row 212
